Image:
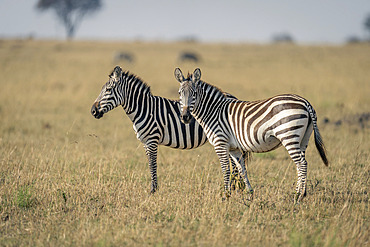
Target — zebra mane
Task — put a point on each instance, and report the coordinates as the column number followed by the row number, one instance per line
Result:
column 134, row 79
column 208, row 85
column 225, row 94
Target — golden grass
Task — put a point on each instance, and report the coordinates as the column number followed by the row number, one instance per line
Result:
column 69, row 179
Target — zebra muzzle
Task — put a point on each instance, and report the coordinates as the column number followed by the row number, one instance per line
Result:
column 95, row 112
column 186, row 117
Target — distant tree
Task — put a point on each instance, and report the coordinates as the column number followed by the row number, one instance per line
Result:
column 367, row 24
column 70, row 12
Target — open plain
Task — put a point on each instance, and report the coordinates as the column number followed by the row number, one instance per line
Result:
column 67, row 179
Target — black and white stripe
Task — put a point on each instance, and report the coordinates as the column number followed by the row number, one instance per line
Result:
column 233, row 126
column 156, row 120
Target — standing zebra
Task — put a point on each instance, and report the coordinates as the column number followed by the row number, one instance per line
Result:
column 258, row 126
column 156, row 120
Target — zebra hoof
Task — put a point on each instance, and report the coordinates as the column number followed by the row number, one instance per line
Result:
column 153, row 190
column 233, row 187
column 226, row 195
column 296, row 200
column 250, row 193
column 299, row 197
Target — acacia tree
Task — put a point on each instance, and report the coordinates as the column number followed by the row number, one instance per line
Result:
column 70, row 12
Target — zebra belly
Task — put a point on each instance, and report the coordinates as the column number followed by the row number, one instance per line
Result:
column 269, row 144
column 258, row 144
column 182, row 136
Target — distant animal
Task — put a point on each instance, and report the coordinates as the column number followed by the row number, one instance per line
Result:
column 123, row 56
column 233, row 126
column 156, row 120
column 189, row 57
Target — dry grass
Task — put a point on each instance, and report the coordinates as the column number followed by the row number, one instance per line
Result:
column 68, row 179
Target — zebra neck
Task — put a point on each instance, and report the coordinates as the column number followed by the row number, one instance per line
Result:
column 137, row 101
column 210, row 100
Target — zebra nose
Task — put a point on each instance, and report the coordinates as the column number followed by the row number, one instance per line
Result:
column 185, row 118
column 94, row 109
column 95, row 112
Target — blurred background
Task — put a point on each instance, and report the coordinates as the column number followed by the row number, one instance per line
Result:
column 68, row 179
column 309, row 22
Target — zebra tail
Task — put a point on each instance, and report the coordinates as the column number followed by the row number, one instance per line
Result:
column 318, row 140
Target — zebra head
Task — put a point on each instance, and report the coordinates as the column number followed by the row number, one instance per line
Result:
column 110, row 95
column 187, row 93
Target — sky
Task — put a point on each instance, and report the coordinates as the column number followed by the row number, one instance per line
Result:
column 252, row 21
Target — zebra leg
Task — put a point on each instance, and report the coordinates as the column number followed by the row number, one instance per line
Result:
column 302, row 164
column 298, row 156
column 302, row 177
column 235, row 176
column 223, row 156
column 238, row 158
column 151, row 150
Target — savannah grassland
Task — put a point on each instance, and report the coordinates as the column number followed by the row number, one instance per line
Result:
column 67, row 179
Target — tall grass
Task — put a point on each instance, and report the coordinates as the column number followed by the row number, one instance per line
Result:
column 68, row 179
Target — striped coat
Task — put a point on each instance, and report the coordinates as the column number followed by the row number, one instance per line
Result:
column 234, row 126
column 156, row 120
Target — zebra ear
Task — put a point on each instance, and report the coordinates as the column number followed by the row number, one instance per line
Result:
column 178, row 75
column 196, row 75
column 116, row 73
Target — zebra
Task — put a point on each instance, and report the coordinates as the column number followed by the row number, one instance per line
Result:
column 233, row 126
column 189, row 56
column 156, row 120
